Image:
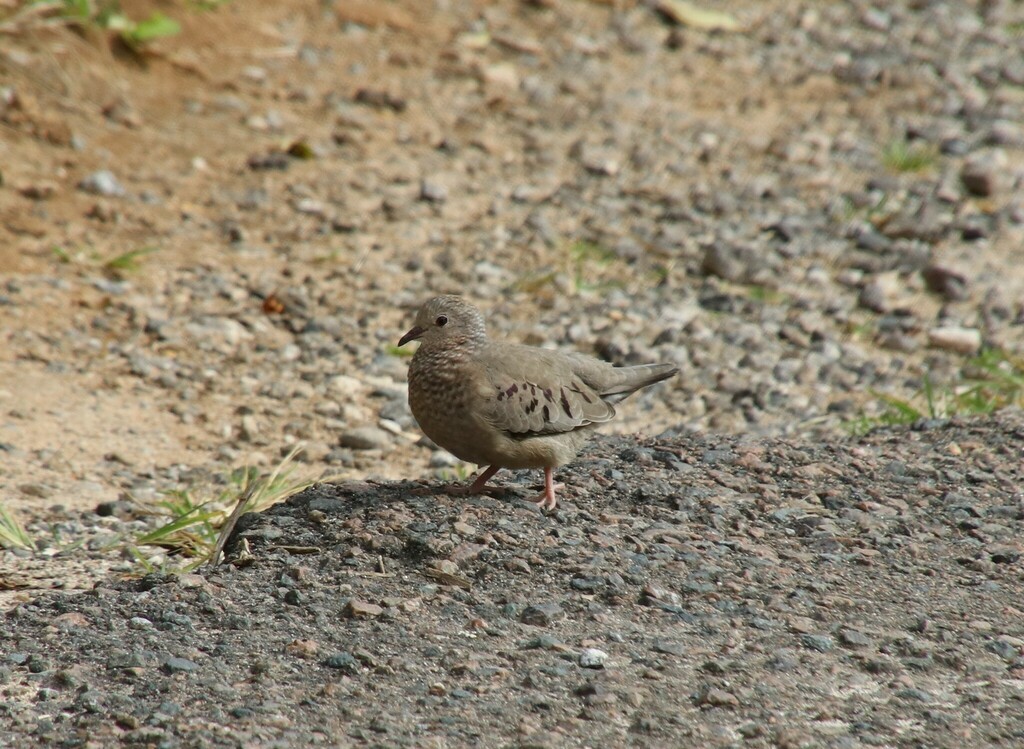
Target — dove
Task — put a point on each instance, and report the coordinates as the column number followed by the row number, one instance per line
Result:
column 505, row 405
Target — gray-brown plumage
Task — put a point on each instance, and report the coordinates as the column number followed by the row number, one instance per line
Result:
column 504, row 405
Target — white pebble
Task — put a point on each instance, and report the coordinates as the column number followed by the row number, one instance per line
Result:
column 593, row 658
column 954, row 338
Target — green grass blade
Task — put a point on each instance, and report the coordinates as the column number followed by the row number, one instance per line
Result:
column 188, row 520
column 12, row 533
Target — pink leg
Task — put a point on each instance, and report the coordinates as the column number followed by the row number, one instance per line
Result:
column 547, row 501
column 478, row 486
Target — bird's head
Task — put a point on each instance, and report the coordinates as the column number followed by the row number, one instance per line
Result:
column 447, row 321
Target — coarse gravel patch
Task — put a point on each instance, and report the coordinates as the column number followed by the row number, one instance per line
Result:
column 691, row 591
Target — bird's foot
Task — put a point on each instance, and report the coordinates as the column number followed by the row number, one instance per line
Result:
column 546, row 500
column 464, row 490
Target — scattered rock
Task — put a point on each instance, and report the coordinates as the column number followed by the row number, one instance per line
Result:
column 593, row 658
column 380, row 99
column 715, row 697
column 855, row 639
column 356, row 609
column 821, row 643
column 365, row 438
column 175, row 665
column 343, row 662
column 955, row 338
column 945, row 282
column 102, row 183
column 984, row 174
column 732, row 263
column 433, row 191
column 542, row 615
column 878, row 293
column 39, row 190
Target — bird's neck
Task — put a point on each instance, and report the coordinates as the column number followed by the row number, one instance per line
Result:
column 455, row 351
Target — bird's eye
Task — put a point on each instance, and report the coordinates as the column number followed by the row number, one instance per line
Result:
column 441, row 321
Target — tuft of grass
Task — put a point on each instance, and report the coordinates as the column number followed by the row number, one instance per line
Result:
column 591, row 262
column 457, row 473
column 192, row 528
column 195, row 530
column 128, row 261
column 137, row 34
column 996, row 381
column 400, row 351
column 89, row 257
column 105, row 15
column 534, row 282
column 843, row 210
column 901, row 155
column 584, row 265
column 860, row 330
column 992, row 380
column 759, row 293
column 659, row 274
column 61, row 254
column 12, row 533
column 207, row 5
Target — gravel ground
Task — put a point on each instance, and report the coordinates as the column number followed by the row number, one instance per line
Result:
column 690, row 592
column 822, row 206
column 599, row 179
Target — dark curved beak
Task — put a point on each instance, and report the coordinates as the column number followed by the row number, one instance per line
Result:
column 412, row 335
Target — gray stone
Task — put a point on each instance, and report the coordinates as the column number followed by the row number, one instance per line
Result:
column 593, row 658
column 102, row 183
column 542, row 615
column 875, row 296
column 174, row 665
column 343, row 661
column 729, row 262
column 854, row 638
column 433, row 191
column 985, row 174
column 821, row 643
column 955, row 338
column 365, row 438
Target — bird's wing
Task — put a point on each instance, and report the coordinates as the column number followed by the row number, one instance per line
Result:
column 531, row 392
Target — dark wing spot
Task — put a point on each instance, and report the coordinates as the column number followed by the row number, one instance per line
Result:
column 512, row 390
column 548, row 395
column 547, row 414
column 532, row 406
column 578, row 389
column 565, row 403
column 501, row 394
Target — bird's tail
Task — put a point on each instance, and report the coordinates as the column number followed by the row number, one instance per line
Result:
column 631, row 379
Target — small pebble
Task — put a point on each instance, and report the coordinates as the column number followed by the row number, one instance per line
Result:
column 821, row 643
column 176, row 665
column 365, row 438
column 433, row 191
column 593, row 658
column 542, row 615
column 954, row 338
column 102, row 183
column 985, row 174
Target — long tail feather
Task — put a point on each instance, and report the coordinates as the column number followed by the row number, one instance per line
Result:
column 635, row 378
